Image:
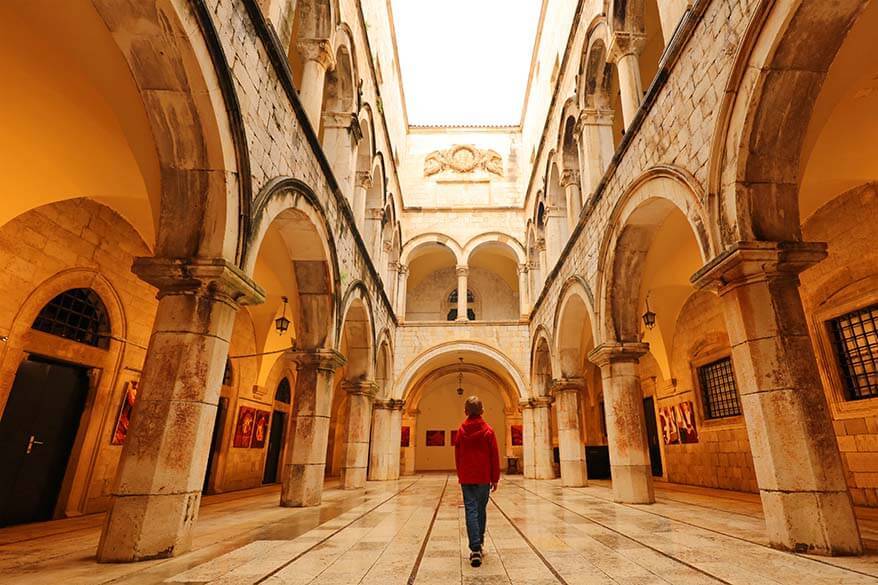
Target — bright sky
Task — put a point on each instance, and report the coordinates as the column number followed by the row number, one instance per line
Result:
column 465, row 61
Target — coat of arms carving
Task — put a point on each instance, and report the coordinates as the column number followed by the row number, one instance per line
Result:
column 463, row 158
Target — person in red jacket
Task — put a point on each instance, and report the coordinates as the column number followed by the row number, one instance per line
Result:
column 478, row 471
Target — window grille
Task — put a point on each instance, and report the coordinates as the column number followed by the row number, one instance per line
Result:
column 719, row 389
column 452, row 300
column 78, row 315
column 283, row 391
column 855, row 338
column 470, row 297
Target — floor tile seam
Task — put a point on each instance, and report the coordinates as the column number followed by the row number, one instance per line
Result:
column 271, row 574
column 384, row 549
column 497, row 549
column 413, row 575
column 741, row 538
column 527, row 541
column 642, row 543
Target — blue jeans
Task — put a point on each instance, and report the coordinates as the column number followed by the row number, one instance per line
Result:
column 475, row 505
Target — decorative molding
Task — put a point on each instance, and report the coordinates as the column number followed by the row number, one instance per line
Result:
column 319, row 50
column 463, row 158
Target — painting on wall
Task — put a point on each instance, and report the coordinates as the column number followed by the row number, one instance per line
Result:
column 668, row 423
column 260, row 429
column 685, row 417
column 124, row 418
column 435, row 438
column 405, row 437
column 517, row 432
column 453, row 438
column 244, row 426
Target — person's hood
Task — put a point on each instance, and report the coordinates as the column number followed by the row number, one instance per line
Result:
column 473, row 428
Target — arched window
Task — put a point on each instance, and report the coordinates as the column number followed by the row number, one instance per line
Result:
column 228, row 374
column 78, row 315
column 283, row 392
column 452, row 303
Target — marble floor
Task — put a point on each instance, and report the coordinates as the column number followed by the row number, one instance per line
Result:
column 412, row 531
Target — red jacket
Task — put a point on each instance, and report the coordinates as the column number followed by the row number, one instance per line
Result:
column 475, row 452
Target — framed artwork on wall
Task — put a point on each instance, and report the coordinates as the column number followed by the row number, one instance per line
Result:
column 685, row 415
column 517, row 435
column 668, row 423
column 435, row 439
column 405, row 437
column 129, row 396
column 244, row 427
column 260, row 429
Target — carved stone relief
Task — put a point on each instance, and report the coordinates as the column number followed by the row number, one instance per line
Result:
column 463, row 158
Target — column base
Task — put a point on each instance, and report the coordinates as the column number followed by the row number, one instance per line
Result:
column 573, row 474
column 305, row 486
column 819, row 523
column 353, row 478
column 154, row 526
column 632, row 484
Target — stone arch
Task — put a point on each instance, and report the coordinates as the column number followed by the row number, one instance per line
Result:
column 575, row 327
column 568, row 146
column 636, row 220
column 543, row 367
column 505, row 240
column 291, row 221
column 595, row 72
column 411, row 370
column 755, row 163
column 374, row 207
column 356, row 333
column 384, row 365
column 431, row 238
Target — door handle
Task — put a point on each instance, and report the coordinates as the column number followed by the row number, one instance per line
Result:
column 31, row 442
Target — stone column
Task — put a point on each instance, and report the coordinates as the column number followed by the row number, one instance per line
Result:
column 161, row 472
column 401, row 291
column 570, row 445
column 596, row 145
column 410, row 420
column 523, row 290
column 392, row 279
column 626, row 425
column 362, row 184
column 799, row 470
column 625, row 49
column 570, row 184
column 541, row 437
column 373, row 232
column 556, row 235
column 386, row 427
column 527, row 438
column 360, row 394
column 462, row 305
column 305, row 465
column 318, row 59
column 545, row 268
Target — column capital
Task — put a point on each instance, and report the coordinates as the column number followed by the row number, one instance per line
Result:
column 524, row 268
column 318, row 50
column 403, row 269
column 327, row 360
column 555, row 211
column 569, row 177
column 615, row 352
column 536, row 402
column 624, row 43
column 593, row 117
column 364, row 179
column 567, row 385
column 339, row 120
column 375, row 213
column 389, row 404
column 462, row 270
column 387, row 246
column 749, row 262
column 360, row 387
column 213, row 276
column 541, row 244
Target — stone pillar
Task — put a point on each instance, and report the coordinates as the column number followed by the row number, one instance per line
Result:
column 462, row 305
column 339, row 144
column 527, row 438
column 362, row 184
column 305, row 465
column 596, row 144
column 540, row 434
column 386, row 427
column 670, row 14
column 360, row 394
column 570, row 184
column 318, row 59
column 401, row 291
column 373, row 232
column 626, row 425
column 392, row 279
column 556, row 235
column 625, row 51
column 799, row 470
column 410, row 420
column 523, row 290
column 545, row 269
column 570, row 445
column 161, row 472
